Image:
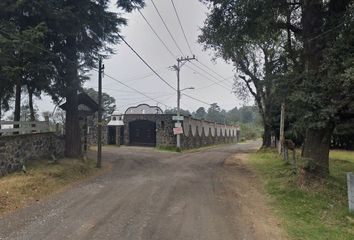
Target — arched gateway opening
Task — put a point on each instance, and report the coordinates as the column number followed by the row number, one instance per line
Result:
column 142, row 133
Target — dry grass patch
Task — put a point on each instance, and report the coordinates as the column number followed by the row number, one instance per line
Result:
column 40, row 180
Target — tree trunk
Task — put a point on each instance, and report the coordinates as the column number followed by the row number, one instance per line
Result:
column 30, row 103
column 17, row 113
column 72, row 129
column 267, row 136
column 316, row 151
column 0, row 113
column 72, row 126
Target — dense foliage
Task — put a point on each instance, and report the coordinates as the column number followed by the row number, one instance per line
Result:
column 296, row 52
column 108, row 102
column 50, row 45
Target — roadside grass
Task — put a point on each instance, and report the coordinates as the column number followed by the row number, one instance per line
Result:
column 315, row 212
column 167, row 149
column 191, row 150
column 40, row 180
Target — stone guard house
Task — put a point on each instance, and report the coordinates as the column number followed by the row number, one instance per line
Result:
column 146, row 125
column 87, row 119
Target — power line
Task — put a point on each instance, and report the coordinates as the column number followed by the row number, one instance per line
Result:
column 180, row 24
column 161, row 78
column 134, row 89
column 137, row 54
column 142, row 101
column 206, row 77
column 218, row 81
column 123, row 91
column 134, row 98
column 157, row 35
column 210, row 69
column 210, row 85
column 168, row 30
column 196, row 99
column 165, row 45
column 117, row 79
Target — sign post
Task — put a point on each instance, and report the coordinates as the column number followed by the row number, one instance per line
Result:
column 350, row 181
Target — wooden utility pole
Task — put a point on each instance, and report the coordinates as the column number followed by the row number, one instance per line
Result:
column 281, row 134
column 180, row 62
column 99, row 123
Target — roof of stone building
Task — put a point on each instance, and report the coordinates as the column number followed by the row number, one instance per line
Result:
column 86, row 104
column 144, row 109
column 116, row 119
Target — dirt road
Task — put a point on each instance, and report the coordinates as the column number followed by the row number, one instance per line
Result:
column 149, row 194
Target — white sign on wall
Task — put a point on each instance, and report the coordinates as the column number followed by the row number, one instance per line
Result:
column 177, row 118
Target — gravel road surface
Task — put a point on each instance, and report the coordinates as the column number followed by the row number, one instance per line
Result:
column 150, row 194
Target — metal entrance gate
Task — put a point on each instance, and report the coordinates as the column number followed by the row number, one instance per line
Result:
column 112, row 134
column 142, row 133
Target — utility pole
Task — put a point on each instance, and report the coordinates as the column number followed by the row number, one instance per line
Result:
column 281, row 134
column 180, row 62
column 99, row 123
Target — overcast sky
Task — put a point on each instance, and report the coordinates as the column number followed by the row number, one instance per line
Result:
column 125, row 66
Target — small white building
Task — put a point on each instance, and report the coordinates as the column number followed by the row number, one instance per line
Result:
column 116, row 129
column 116, row 119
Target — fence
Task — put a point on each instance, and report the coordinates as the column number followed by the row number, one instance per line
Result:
column 21, row 127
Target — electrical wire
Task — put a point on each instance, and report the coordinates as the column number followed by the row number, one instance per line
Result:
column 166, row 27
column 218, row 81
column 134, row 89
column 208, row 86
column 180, row 24
column 169, row 50
column 161, row 78
column 208, row 78
column 157, row 35
column 143, row 101
column 210, row 69
column 154, row 71
column 196, row 99
column 138, row 55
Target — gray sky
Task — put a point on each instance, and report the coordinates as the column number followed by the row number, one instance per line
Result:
column 125, row 66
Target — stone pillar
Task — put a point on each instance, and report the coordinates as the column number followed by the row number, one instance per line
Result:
column 118, row 132
column 350, row 181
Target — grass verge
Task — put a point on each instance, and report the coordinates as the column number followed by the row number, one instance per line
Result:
column 40, row 180
column 167, row 149
column 190, row 150
column 314, row 212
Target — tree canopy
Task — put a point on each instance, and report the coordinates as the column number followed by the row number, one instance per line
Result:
column 50, row 45
column 296, row 52
column 108, row 102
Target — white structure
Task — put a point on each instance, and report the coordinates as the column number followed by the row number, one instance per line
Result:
column 116, row 119
column 144, row 109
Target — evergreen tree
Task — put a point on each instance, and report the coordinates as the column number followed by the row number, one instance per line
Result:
column 28, row 64
column 200, row 113
column 72, row 34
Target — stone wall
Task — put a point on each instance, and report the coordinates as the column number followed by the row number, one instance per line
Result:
column 18, row 149
column 92, row 135
column 197, row 133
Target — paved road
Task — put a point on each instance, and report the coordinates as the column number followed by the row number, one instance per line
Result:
column 148, row 195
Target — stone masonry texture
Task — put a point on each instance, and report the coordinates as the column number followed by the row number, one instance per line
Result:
column 17, row 150
column 197, row 133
